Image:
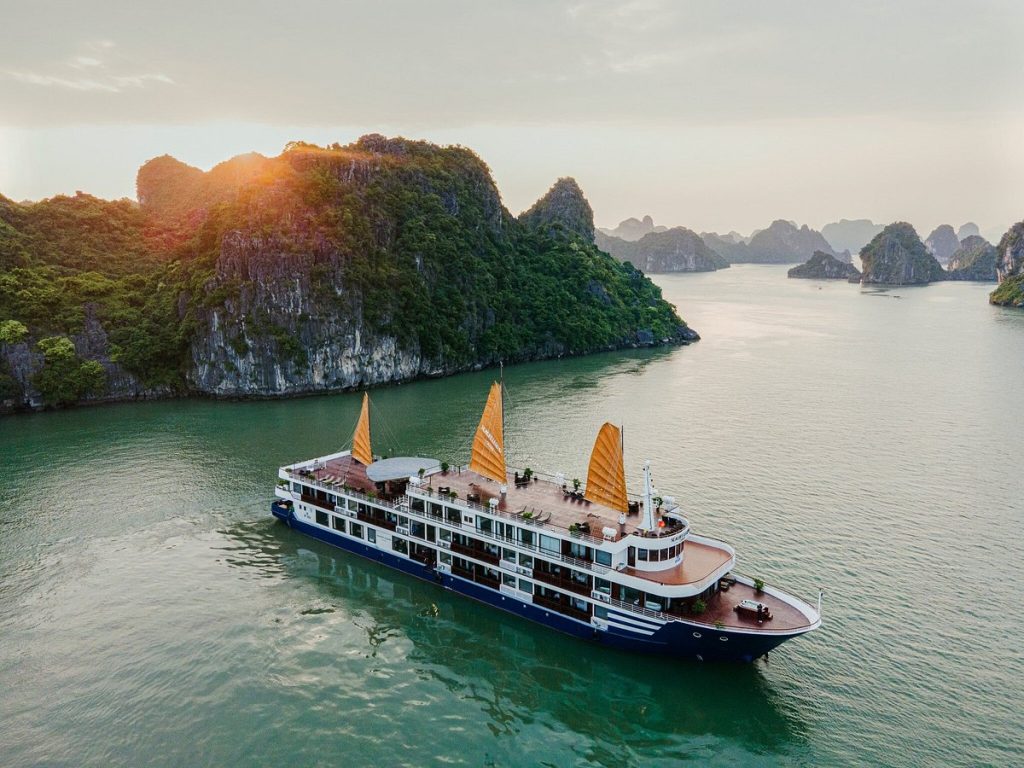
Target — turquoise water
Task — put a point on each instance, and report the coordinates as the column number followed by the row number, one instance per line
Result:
column 152, row 613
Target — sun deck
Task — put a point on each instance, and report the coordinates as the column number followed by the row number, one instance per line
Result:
column 540, row 498
column 699, row 564
column 721, row 607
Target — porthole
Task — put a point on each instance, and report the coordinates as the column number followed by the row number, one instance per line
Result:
column 724, row 639
column 697, row 635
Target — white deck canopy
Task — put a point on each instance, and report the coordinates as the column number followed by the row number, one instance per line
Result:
column 400, row 468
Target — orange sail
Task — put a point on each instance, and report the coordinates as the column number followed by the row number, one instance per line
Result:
column 489, row 443
column 606, row 477
column 361, row 439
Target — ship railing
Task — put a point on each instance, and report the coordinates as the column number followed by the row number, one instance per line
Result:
column 517, row 519
column 339, row 490
column 575, row 562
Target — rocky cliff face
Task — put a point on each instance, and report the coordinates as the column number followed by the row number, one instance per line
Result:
column 1010, row 268
column 824, row 266
column 321, row 269
column 565, row 207
column 674, row 250
column 975, row 259
column 942, row 243
column 896, row 256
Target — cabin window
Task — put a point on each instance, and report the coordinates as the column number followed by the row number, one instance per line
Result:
column 526, row 537
column 641, row 554
column 371, row 535
column 504, row 530
column 357, row 530
column 416, row 504
column 602, row 557
column 352, row 504
column 446, row 558
column 483, row 524
column 578, row 603
column 526, row 586
column 364, row 509
column 550, row 544
column 468, row 519
column 399, row 544
column 332, row 499
column 297, row 487
column 525, row 560
column 630, row 595
column 600, row 612
column 603, row 586
column 403, row 521
column 338, row 523
column 508, row 555
column 431, row 533
column 452, row 515
column 581, row 551
column 508, row 580
column 417, row 529
column 322, row 518
column 445, row 535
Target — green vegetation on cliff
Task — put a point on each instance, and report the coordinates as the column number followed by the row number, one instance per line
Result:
column 273, row 263
column 896, row 256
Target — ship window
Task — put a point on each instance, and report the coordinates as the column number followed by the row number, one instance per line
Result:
column 525, row 560
column 338, row 523
column 483, row 524
column 601, row 612
column 630, row 595
column 526, row 586
column 508, row 555
column 445, row 534
column 332, row 499
column 297, row 487
column 526, row 537
column 467, row 519
column 508, row 580
column 419, row 530
column 550, row 544
column 321, row 518
column 603, row 585
column 582, row 551
column 603, row 558
column 416, row 504
column 579, row 604
column 403, row 520
column 399, row 544
column 446, row 558
column 357, row 530
column 371, row 535
column 431, row 533
column 641, row 554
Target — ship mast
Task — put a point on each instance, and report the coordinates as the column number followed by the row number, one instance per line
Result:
column 647, row 523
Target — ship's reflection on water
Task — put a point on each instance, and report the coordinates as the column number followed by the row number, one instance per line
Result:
column 618, row 706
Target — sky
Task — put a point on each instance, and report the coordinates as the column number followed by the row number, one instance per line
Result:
column 712, row 115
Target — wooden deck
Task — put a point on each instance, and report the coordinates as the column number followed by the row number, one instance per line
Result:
column 539, row 497
column 700, row 561
column 721, row 607
column 348, row 471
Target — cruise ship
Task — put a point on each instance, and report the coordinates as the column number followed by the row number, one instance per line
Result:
column 589, row 560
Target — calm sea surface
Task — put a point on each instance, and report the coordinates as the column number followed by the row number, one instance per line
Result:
column 870, row 443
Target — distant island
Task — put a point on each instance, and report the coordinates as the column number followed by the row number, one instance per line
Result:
column 321, row 269
column 667, row 250
column 825, row 266
column 896, row 256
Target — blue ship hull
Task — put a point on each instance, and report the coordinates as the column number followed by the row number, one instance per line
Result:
column 675, row 638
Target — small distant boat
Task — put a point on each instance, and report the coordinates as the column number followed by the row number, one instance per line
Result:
column 592, row 562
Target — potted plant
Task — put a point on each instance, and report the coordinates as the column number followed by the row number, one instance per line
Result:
column 574, row 529
column 699, row 606
column 576, row 484
column 759, row 586
column 421, row 472
column 527, row 474
column 658, row 501
column 444, row 467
